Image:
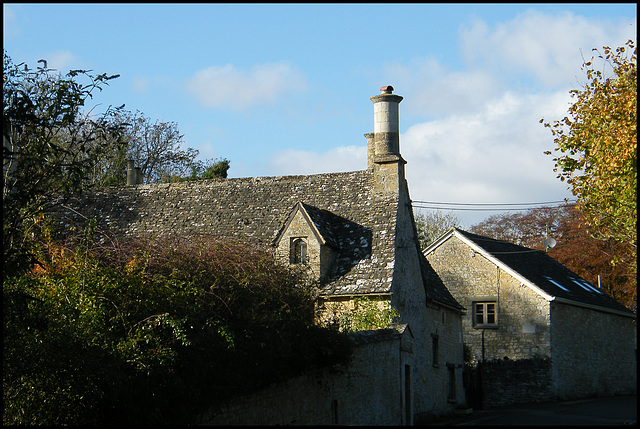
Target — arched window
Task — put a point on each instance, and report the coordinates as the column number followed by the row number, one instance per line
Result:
column 298, row 251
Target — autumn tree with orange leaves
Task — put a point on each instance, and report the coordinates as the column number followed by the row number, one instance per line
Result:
column 597, row 150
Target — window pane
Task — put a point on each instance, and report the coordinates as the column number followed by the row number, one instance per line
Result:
column 491, row 313
column 479, row 314
column 299, row 252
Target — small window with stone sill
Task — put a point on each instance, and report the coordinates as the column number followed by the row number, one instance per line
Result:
column 485, row 314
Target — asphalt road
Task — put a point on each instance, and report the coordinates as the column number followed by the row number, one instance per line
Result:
column 610, row 411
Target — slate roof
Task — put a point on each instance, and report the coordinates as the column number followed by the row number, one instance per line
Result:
column 544, row 273
column 359, row 222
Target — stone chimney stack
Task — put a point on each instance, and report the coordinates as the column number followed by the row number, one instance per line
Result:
column 131, row 172
column 134, row 174
column 383, row 148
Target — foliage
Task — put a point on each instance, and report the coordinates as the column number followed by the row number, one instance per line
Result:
column 155, row 147
column 208, row 169
column 433, row 224
column 588, row 257
column 527, row 228
column 47, row 145
column 152, row 332
column 366, row 314
column 597, row 145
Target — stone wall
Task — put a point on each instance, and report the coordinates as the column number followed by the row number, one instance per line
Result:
column 506, row 382
column 440, row 397
column 299, row 228
column 409, row 298
column 594, row 353
column 369, row 391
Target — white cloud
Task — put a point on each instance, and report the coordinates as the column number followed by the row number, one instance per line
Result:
column 140, row 84
column 534, row 49
column 542, row 46
column 226, row 87
column 492, row 156
column 61, row 60
column 437, row 91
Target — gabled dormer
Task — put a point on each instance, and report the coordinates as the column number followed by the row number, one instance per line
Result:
column 307, row 238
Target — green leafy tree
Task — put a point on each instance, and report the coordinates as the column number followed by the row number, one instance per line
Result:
column 48, row 145
column 432, row 224
column 597, row 145
column 155, row 146
column 209, row 169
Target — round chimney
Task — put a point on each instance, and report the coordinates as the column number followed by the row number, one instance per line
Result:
column 386, row 125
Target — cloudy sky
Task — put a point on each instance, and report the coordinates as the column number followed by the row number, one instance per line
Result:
column 284, row 89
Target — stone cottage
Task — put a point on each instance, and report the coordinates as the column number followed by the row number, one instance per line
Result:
column 547, row 332
column 356, row 233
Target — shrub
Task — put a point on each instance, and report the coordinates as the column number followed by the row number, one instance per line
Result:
column 153, row 331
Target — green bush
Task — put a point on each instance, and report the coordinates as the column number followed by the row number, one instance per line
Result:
column 366, row 314
column 153, row 332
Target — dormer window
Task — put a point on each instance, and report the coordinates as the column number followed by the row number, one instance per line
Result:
column 307, row 239
column 298, row 251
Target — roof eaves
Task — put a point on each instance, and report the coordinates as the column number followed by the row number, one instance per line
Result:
column 312, row 224
column 594, row 307
column 438, row 241
column 299, row 207
column 462, row 309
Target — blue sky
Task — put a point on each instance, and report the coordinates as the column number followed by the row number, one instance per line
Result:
column 282, row 89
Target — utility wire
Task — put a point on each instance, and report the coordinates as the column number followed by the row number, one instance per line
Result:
column 472, row 209
column 492, row 204
column 435, row 205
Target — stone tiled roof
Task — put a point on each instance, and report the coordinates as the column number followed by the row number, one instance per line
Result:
column 357, row 221
column 394, row 331
column 545, row 273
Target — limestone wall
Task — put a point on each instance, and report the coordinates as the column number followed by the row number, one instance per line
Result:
column 299, row 229
column 441, row 379
column 594, row 353
column 426, row 318
column 369, row 391
column 507, row 382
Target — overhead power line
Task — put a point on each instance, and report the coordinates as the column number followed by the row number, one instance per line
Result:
column 437, row 205
column 491, row 204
